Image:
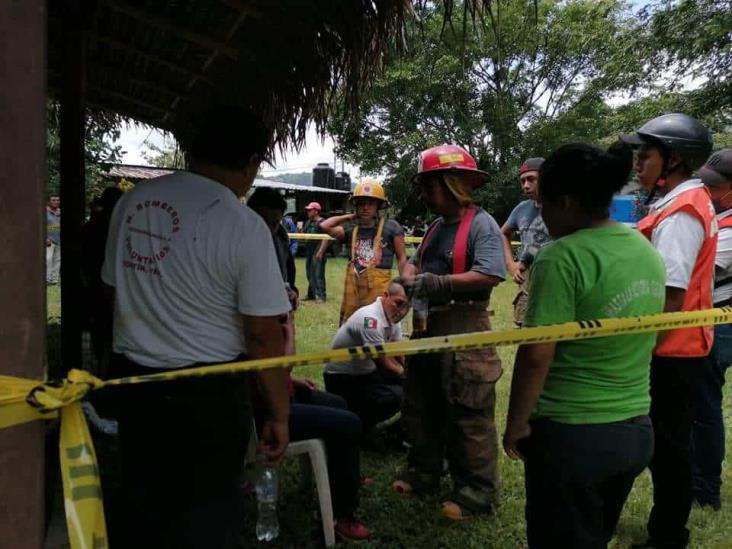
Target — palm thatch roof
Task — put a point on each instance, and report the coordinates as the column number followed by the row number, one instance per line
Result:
column 151, row 60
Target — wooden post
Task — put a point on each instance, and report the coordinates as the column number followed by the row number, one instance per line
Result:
column 73, row 184
column 22, row 258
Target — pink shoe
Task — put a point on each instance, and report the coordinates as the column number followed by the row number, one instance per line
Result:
column 352, row 530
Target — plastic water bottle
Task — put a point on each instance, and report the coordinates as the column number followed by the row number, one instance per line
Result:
column 268, row 527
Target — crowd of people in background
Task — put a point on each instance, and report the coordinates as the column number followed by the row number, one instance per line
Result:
column 179, row 274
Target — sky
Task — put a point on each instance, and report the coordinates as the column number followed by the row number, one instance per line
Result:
column 135, row 139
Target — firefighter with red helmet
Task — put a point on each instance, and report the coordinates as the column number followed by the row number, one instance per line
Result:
column 449, row 400
column 681, row 225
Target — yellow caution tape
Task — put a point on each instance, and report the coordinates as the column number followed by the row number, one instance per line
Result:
column 313, row 236
column 23, row 400
column 459, row 342
column 14, row 407
column 407, row 239
column 82, row 486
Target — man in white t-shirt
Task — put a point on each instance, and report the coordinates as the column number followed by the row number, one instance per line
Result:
column 372, row 388
column 195, row 282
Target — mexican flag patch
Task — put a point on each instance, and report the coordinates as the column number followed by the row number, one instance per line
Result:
column 370, row 323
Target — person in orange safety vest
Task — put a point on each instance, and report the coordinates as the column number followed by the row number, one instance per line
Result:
column 681, row 225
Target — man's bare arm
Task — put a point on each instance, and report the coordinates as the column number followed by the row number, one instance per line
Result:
column 265, row 337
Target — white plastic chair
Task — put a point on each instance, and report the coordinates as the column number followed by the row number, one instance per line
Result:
column 312, row 450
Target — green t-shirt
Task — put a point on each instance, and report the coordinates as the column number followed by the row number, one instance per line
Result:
column 597, row 273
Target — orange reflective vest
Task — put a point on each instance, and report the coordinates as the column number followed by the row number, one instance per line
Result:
column 690, row 342
column 725, row 222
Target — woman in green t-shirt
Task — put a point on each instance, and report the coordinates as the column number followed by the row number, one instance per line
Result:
column 578, row 414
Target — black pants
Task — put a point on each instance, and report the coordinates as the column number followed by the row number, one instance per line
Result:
column 317, row 414
column 578, row 478
column 315, row 270
column 372, row 397
column 708, row 428
column 183, row 445
column 673, row 387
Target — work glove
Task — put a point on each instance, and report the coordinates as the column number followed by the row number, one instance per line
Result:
column 432, row 286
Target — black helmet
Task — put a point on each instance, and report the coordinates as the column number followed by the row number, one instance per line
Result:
column 676, row 132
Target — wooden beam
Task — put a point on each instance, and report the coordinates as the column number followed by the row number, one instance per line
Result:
column 121, row 75
column 117, row 44
column 149, row 19
column 246, row 7
column 129, row 111
column 22, row 262
column 73, row 182
column 122, row 101
column 211, row 58
column 129, row 99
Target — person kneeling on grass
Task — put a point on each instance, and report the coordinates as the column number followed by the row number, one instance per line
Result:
column 578, row 412
column 374, row 243
column 372, row 388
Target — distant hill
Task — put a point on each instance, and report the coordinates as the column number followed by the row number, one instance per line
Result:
column 304, row 178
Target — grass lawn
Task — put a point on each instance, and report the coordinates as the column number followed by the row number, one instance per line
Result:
column 406, row 522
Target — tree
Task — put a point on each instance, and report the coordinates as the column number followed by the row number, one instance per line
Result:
column 692, row 38
column 301, row 178
column 527, row 76
column 167, row 156
column 102, row 130
column 691, row 41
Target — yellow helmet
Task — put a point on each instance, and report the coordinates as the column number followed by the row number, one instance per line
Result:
column 369, row 188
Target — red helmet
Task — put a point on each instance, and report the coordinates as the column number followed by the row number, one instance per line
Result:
column 449, row 158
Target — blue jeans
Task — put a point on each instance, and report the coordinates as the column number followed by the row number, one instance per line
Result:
column 708, row 427
column 315, row 270
column 317, row 414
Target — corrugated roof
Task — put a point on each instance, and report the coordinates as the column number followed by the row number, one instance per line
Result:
column 131, row 172
column 137, row 172
column 296, row 188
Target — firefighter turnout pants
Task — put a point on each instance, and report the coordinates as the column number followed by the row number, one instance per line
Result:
column 362, row 288
column 449, row 411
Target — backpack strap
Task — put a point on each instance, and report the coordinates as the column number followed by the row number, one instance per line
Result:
column 460, row 246
column 354, row 239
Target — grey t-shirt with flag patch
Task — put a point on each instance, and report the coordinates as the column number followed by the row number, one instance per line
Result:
column 367, row 326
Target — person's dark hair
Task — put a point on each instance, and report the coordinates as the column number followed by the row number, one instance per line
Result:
column 587, row 173
column 266, row 197
column 224, row 135
column 109, row 198
column 398, row 281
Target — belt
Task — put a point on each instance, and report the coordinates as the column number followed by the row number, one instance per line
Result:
column 479, row 305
